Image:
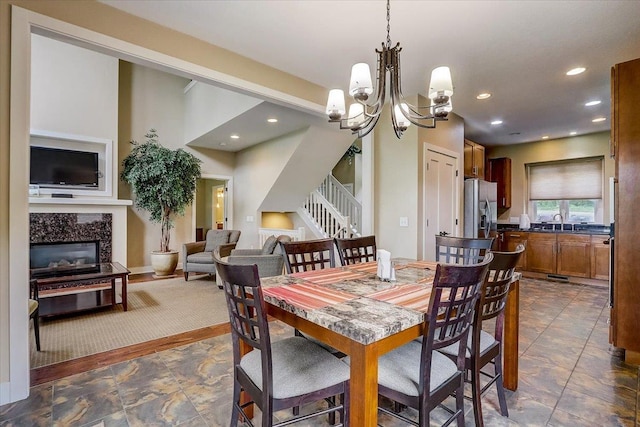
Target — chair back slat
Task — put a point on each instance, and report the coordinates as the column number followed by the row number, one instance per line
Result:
column 356, row 250
column 246, row 307
column 308, row 255
column 496, row 288
column 456, row 289
column 462, row 250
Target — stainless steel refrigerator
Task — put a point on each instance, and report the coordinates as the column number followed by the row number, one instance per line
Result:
column 480, row 207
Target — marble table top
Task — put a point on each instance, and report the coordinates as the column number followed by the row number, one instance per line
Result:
column 353, row 301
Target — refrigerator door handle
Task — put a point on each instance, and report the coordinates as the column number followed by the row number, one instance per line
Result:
column 489, row 216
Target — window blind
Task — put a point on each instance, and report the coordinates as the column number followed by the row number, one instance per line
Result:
column 566, row 180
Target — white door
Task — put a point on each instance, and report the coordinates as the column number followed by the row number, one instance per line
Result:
column 440, row 198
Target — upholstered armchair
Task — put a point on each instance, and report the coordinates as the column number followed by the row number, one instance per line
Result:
column 197, row 257
column 269, row 259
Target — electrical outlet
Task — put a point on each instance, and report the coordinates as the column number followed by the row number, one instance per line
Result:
column 404, row 221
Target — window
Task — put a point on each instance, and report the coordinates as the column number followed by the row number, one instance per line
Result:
column 571, row 189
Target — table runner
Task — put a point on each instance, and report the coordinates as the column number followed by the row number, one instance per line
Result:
column 308, row 296
column 328, row 276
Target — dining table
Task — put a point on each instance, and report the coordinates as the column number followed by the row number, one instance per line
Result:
column 352, row 310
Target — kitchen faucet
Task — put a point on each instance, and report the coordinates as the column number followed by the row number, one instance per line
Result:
column 561, row 215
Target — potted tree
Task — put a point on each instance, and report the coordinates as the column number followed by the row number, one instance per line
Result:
column 164, row 184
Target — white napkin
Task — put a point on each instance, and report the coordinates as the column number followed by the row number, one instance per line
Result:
column 385, row 266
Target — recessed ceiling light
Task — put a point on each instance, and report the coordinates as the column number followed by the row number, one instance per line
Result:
column 576, row 71
column 545, row 137
column 272, row 120
column 599, row 119
column 234, row 136
column 483, row 95
column 223, row 144
column 573, row 133
column 496, row 122
column 592, row 103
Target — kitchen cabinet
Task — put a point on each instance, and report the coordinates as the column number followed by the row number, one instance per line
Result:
column 473, row 160
column 499, row 171
column 511, row 241
column 574, row 255
column 625, row 134
column 600, row 257
column 541, row 253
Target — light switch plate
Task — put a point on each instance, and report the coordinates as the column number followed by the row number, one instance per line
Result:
column 404, row 221
column 249, row 218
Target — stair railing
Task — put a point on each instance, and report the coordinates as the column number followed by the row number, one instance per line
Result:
column 343, row 201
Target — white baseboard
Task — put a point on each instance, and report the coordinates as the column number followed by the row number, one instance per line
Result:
column 6, row 395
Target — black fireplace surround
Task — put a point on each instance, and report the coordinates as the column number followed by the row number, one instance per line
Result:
column 49, row 259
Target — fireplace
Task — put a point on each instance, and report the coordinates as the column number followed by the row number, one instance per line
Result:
column 47, row 259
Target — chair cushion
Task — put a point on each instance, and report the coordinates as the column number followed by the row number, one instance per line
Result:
column 201, row 258
column 33, row 306
column 216, row 238
column 299, row 367
column 486, row 341
column 269, row 245
column 399, row 369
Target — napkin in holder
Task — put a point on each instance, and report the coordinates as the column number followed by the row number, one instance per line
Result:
column 386, row 271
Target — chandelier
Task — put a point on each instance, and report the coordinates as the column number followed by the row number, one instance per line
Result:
column 363, row 116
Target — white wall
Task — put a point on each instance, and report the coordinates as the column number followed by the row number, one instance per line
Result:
column 207, row 107
column 74, row 91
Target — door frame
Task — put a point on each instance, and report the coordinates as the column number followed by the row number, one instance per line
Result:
column 228, row 202
column 455, row 156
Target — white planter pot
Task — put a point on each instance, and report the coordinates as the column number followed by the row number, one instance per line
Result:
column 164, row 263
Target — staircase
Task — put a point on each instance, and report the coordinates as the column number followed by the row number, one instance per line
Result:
column 331, row 210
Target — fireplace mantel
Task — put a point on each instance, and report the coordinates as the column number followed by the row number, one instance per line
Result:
column 83, row 205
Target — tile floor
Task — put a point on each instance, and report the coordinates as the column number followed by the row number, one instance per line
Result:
column 568, row 377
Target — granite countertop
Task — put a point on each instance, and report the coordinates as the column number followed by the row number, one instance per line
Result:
column 543, row 227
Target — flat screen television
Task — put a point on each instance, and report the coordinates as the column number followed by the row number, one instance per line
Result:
column 60, row 168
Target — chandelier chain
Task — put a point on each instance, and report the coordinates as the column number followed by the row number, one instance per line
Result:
column 388, row 23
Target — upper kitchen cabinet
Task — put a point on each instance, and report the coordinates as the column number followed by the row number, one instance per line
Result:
column 499, row 171
column 625, row 137
column 473, row 160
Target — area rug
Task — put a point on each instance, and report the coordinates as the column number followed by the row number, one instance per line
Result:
column 156, row 309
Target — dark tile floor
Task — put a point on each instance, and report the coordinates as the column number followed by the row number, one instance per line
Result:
column 569, row 376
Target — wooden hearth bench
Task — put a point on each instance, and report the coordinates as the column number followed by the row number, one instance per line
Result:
column 70, row 293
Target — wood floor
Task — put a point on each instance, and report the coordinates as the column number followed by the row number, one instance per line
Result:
column 87, row 363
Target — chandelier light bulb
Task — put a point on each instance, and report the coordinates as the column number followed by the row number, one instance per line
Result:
column 441, row 86
column 335, row 104
column 356, row 115
column 360, row 86
column 401, row 119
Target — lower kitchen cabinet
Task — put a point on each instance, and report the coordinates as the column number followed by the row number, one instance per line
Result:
column 600, row 257
column 574, row 255
column 565, row 254
column 511, row 241
column 541, row 253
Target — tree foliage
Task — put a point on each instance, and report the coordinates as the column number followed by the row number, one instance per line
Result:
column 163, row 181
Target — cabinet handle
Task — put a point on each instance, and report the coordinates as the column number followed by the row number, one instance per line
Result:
column 504, row 201
column 514, row 235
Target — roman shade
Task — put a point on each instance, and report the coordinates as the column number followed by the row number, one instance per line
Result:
column 579, row 179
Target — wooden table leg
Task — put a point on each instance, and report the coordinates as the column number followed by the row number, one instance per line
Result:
column 364, row 386
column 510, row 341
column 124, row 293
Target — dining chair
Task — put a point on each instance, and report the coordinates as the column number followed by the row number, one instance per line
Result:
column 462, row 250
column 356, row 249
column 278, row 374
column 415, row 375
column 305, row 255
column 484, row 348
column 34, row 310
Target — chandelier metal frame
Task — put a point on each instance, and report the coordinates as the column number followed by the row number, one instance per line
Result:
column 389, row 62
